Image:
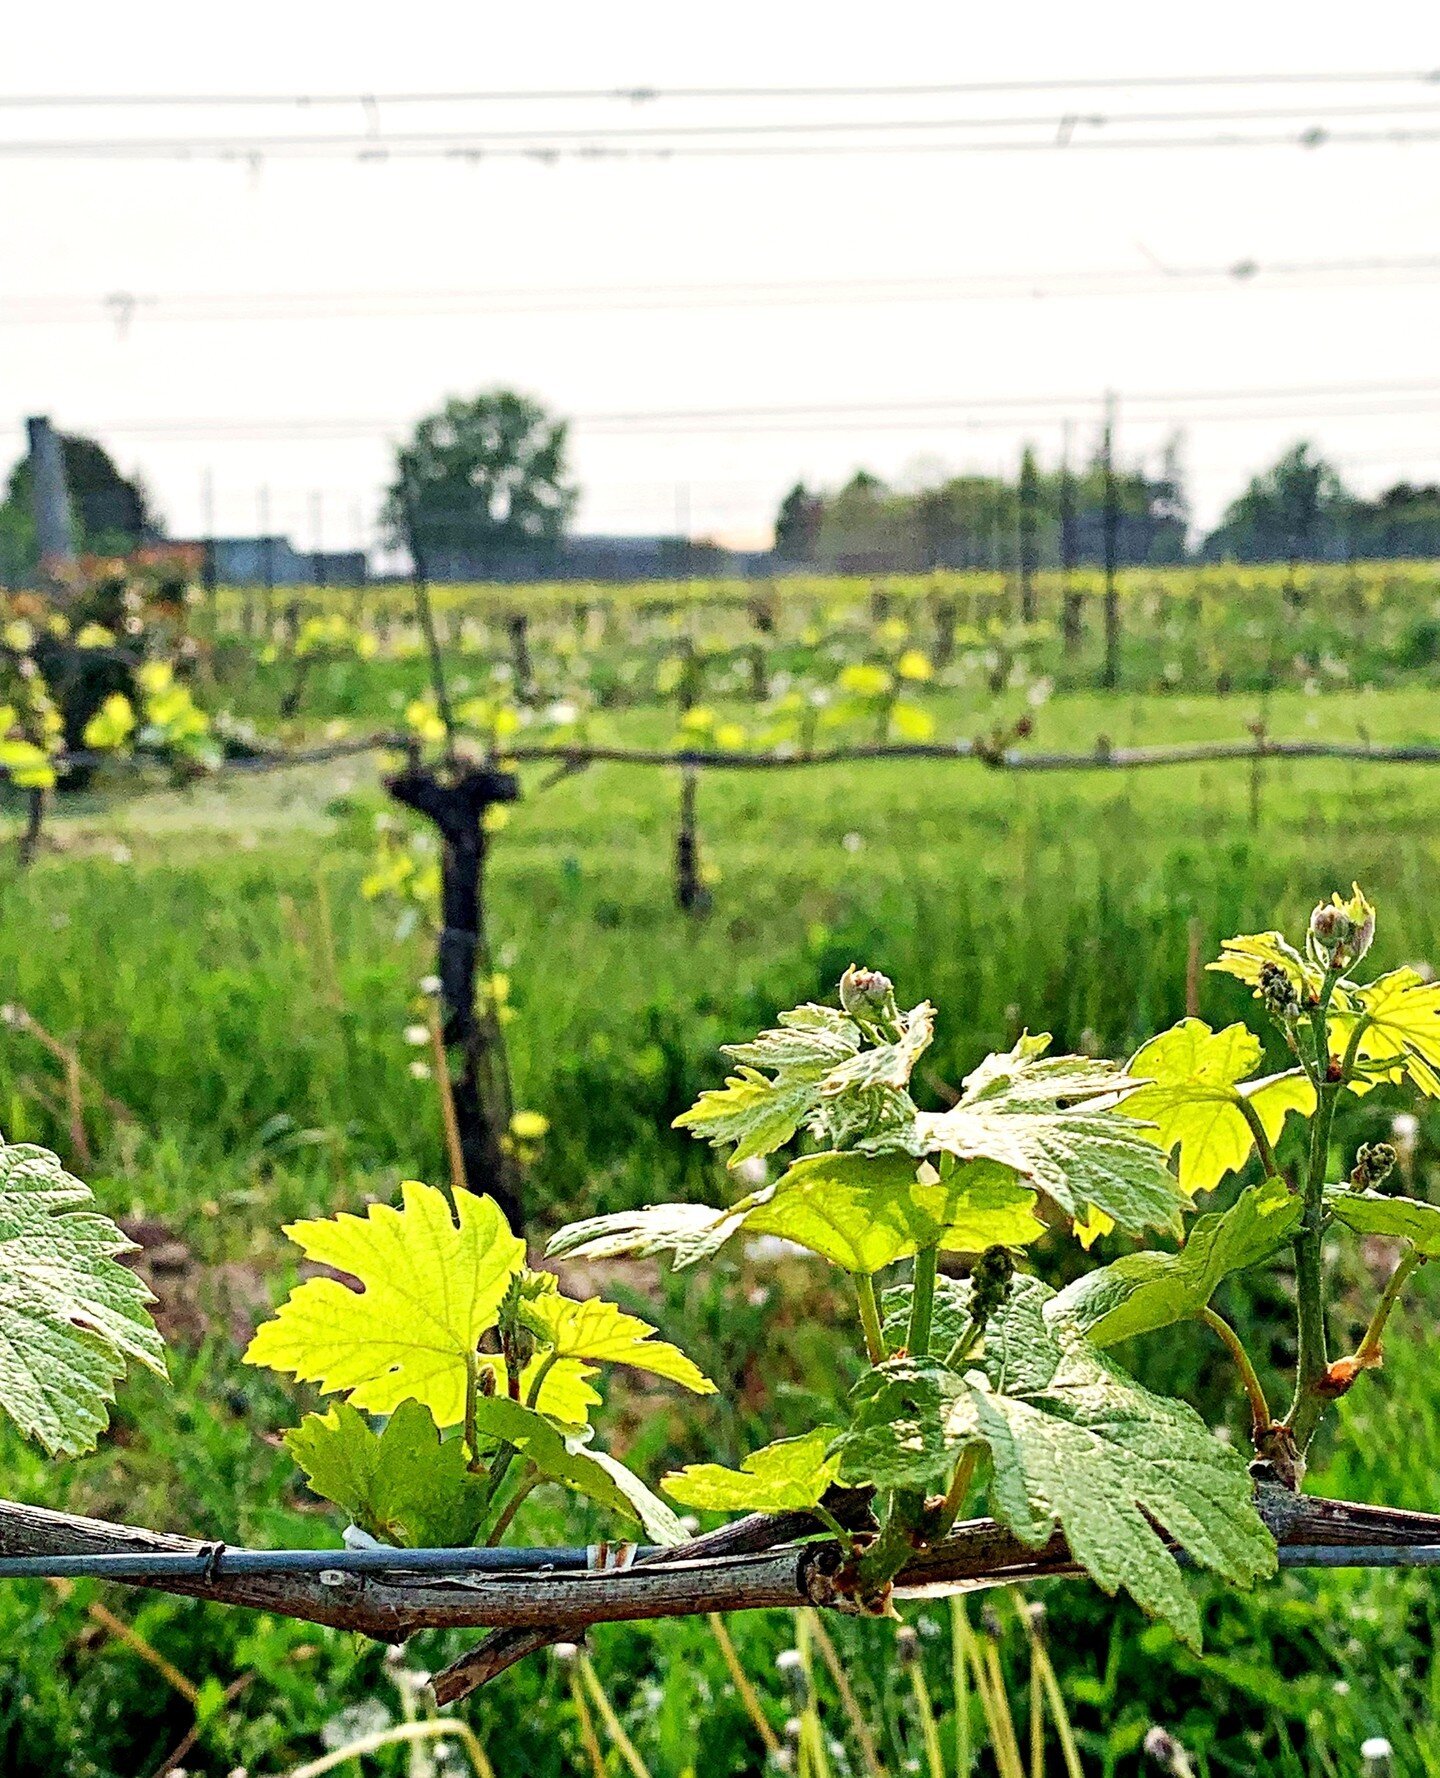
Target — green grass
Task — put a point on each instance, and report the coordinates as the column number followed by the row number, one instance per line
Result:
column 179, row 940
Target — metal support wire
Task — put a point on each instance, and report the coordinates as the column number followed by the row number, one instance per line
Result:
column 214, row 1562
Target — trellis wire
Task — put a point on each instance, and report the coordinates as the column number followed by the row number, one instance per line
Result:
column 216, row 1561
column 998, row 758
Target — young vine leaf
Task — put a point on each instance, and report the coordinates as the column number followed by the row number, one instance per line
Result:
column 405, row 1485
column 1248, row 955
column 688, row 1232
column 1401, row 1014
column 1198, row 1079
column 791, row 1475
column 1376, row 1213
column 1144, row 1291
column 562, row 1454
column 71, row 1318
column 1054, row 1120
column 1074, row 1442
column 599, row 1330
column 863, row 1212
column 820, row 1077
column 430, row 1287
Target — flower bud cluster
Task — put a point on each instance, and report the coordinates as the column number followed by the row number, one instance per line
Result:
column 990, row 1282
column 1374, row 1163
column 1341, row 932
column 869, row 998
column 1282, row 1001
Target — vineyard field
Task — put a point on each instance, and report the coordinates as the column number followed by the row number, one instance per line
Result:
column 248, row 1015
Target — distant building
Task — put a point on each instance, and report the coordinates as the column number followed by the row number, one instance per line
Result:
column 273, row 561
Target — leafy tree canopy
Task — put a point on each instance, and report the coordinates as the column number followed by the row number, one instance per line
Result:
column 483, row 478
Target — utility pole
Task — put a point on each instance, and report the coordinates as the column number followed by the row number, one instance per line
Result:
column 207, row 534
column 1070, row 609
column 317, row 559
column 49, row 501
column 267, row 562
column 1111, row 676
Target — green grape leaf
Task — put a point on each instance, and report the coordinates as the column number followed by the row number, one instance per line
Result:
column 788, row 1476
column 1194, row 1097
column 810, row 1036
column 599, row 1330
column 887, row 1065
column 1375, row 1213
column 562, row 1454
column 1143, row 1291
column 1075, row 1442
column 950, row 1317
column 822, row 1079
column 1054, row 1121
column 1246, row 956
column 71, row 1317
column 404, row 1485
column 688, row 1232
column 863, row 1212
column 430, row 1287
column 1402, row 1011
column 565, row 1393
column 754, row 1112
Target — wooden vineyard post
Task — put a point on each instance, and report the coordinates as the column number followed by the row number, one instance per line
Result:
column 1111, row 677
column 691, row 895
column 690, row 891
column 1029, row 498
column 1071, row 618
column 456, row 801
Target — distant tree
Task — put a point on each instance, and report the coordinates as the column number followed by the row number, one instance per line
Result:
column 481, row 480
column 1297, row 509
column 112, row 511
column 797, row 524
column 1403, row 521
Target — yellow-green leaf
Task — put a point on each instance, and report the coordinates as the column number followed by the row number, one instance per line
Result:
column 599, row 1330
column 1402, row 1011
column 1246, row 956
column 1144, row 1291
column 563, row 1454
column 788, row 1476
column 1193, row 1103
column 404, row 1485
column 430, row 1287
column 863, row 1212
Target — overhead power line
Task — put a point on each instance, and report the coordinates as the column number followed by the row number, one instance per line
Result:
column 125, row 307
column 597, row 146
column 647, row 94
column 543, row 135
column 1340, row 400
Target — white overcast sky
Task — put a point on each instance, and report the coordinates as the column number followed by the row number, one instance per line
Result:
column 181, row 398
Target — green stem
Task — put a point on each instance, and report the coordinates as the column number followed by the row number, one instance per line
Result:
column 1311, row 1355
column 922, row 1302
column 1260, row 1415
column 965, row 1345
column 1262, row 1142
column 1367, row 1353
column 959, row 1488
column 512, row 1505
column 472, row 1396
column 547, row 1364
column 870, row 1316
